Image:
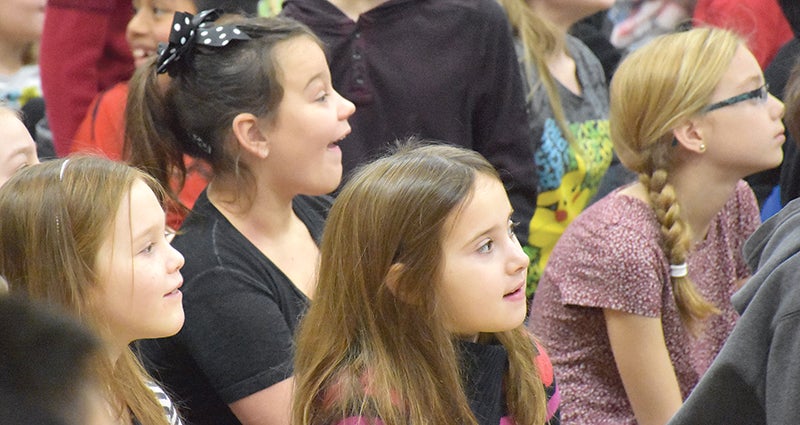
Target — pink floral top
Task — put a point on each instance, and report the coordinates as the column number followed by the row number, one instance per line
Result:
column 610, row 257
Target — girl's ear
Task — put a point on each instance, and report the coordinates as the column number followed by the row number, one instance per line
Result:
column 250, row 135
column 691, row 136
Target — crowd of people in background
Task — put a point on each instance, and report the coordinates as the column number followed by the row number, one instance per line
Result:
column 347, row 212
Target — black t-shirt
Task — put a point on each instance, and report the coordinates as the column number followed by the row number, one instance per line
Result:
column 241, row 315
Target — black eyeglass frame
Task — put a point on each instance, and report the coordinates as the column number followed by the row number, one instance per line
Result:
column 761, row 93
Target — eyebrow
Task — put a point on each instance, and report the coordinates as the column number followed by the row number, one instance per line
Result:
column 758, row 79
column 478, row 235
column 146, row 233
column 318, row 76
column 18, row 151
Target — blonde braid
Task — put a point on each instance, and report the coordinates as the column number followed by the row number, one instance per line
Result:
column 643, row 130
column 676, row 238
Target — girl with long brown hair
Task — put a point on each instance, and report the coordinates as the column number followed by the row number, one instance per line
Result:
column 420, row 302
column 88, row 235
column 635, row 301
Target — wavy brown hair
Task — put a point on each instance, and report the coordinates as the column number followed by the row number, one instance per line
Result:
column 364, row 349
column 657, row 88
column 52, row 227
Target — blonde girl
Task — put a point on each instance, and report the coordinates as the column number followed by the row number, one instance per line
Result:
column 88, row 234
column 635, row 301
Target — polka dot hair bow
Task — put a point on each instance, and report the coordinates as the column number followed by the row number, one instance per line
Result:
column 188, row 31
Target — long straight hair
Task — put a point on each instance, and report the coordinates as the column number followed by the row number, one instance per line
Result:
column 655, row 89
column 540, row 40
column 55, row 217
column 365, row 349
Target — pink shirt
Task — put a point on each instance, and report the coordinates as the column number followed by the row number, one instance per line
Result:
column 610, row 257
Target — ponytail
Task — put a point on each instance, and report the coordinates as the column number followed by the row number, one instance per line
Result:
column 151, row 143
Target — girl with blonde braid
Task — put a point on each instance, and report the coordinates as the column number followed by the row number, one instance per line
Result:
column 634, row 303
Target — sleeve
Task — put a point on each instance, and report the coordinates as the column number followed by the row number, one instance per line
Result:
column 73, row 43
column 501, row 122
column 236, row 333
column 609, row 264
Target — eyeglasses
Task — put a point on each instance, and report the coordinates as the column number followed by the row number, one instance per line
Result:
column 761, row 93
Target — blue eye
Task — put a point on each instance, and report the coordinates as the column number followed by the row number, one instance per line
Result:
column 486, row 247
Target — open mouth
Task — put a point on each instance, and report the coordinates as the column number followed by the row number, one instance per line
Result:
column 335, row 144
column 141, row 55
column 516, row 292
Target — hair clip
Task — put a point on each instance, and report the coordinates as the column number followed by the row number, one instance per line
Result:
column 63, row 167
column 201, row 144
